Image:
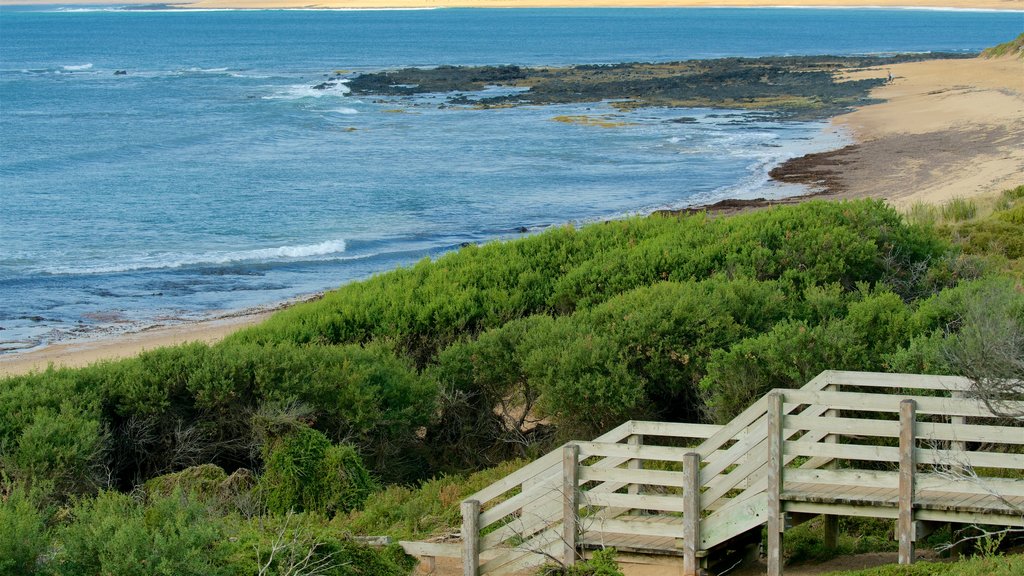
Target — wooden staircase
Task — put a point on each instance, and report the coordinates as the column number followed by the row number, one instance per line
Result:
column 901, row 446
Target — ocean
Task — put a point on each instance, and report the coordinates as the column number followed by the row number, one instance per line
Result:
column 210, row 177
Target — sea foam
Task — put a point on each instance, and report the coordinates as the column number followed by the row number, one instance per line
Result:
column 168, row 260
column 77, row 67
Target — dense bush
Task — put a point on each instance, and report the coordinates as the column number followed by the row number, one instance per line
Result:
column 306, row 473
column 480, row 355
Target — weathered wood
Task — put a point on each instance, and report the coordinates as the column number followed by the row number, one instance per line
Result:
column 856, row 510
column 470, row 538
column 775, row 520
column 844, row 451
column 886, row 403
column 905, row 522
column 631, row 451
column 846, row 477
column 635, row 441
column 892, row 380
column 570, row 498
column 674, row 429
column 737, row 519
column 635, row 525
column 691, row 514
column 621, row 475
column 635, row 501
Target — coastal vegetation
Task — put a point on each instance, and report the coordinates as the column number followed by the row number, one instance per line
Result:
column 373, row 410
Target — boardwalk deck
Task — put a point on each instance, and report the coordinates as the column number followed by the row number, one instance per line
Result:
column 906, row 447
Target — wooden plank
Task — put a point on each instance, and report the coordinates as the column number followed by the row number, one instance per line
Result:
column 775, row 464
column 849, row 426
column 636, row 526
column 691, row 515
column 675, row 429
column 542, row 465
column 860, row 478
column 958, row 459
column 736, row 426
column 843, row 451
column 470, row 538
column 632, row 452
column 570, row 499
column 932, row 431
column 1005, row 487
column 841, row 509
column 889, row 403
column 651, row 477
column 719, row 461
column 905, row 521
column 894, row 380
column 728, row 522
column 533, row 552
column 971, row 517
column 541, row 489
column 635, row 501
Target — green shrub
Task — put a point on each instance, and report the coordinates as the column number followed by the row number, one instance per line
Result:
column 23, row 533
column 417, row 513
column 305, row 473
column 116, row 535
column 805, row 543
column 993, row 566
column 63, row 449
column 600, row 563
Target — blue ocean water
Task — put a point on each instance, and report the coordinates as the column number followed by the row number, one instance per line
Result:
column 211, row 177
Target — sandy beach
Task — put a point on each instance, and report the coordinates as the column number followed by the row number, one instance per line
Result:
column 946, row 128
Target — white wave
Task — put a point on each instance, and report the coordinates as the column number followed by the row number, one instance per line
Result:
column 345, row 111
column 335, row 88
column 77, row 67
column 258, row 255
column 198, row 70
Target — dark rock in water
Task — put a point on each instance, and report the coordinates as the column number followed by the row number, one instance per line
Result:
column 522, row 229
column 325, row 85
column 465, row 245
column 120, row 72
column 684, row 120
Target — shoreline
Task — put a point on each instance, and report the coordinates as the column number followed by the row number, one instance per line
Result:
column 944, row 129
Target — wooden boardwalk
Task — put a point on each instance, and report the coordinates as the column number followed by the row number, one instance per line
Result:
column 907, row 447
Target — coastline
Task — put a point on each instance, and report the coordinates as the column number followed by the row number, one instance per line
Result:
column 945, row 129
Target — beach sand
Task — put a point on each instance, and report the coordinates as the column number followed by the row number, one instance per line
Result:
column 79, row 353
column 947, row 128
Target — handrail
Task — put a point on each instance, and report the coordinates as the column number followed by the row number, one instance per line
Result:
column 730, row 459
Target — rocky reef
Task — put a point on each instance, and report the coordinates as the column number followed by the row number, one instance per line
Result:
column 804, row 87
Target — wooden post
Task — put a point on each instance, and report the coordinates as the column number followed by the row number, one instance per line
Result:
column 691, row 512
column 636, row 463
column 471, row 538
column 831, row 521
column 775, row 520
column 905, row 522
column 571, row 502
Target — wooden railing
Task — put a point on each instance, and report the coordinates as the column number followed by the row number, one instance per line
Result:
column 683, row 489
